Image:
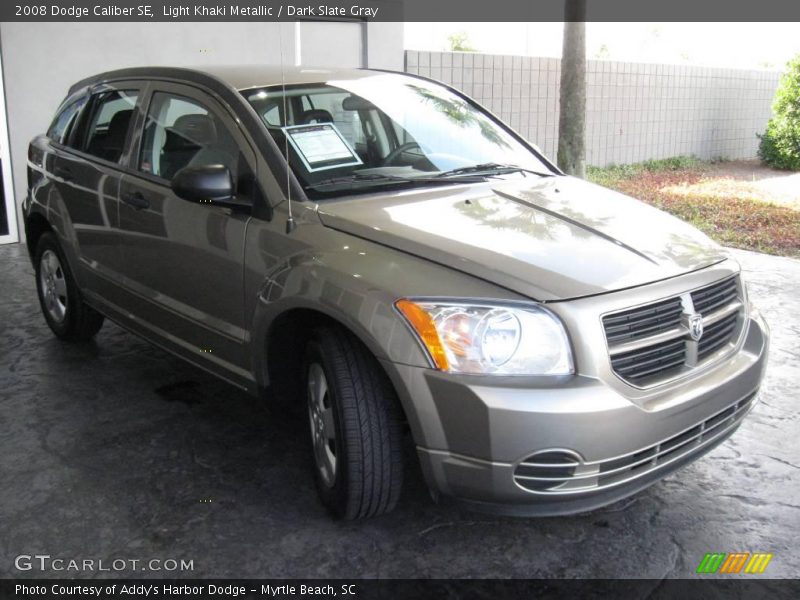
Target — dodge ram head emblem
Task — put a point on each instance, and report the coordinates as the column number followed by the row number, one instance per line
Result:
column 696, row 326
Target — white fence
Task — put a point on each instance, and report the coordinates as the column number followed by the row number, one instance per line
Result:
column 634, row 112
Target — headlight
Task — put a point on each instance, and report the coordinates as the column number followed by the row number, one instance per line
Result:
column 488, row 339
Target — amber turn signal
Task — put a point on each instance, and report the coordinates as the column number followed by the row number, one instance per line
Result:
column 426, row 330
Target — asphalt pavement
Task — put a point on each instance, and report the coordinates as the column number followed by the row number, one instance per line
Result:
column 117, row 450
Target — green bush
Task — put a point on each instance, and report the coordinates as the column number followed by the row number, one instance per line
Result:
column 780, row 143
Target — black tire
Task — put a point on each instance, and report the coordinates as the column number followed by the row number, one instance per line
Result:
column 369, row 464
column 79, row 322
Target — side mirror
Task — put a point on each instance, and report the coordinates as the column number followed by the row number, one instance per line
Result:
column 207, row 184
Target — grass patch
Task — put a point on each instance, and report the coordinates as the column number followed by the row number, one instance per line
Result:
column 681, row 187
column 610, row 175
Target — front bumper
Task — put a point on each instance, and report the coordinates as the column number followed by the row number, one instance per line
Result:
column 605, row 446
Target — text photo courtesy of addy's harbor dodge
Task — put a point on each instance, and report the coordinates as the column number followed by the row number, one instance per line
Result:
column 179, row 11
column 108, row 589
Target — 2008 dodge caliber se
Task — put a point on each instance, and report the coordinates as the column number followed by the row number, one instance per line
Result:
column 385, row 251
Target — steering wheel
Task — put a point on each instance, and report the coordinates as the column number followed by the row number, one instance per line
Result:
column 394, row 154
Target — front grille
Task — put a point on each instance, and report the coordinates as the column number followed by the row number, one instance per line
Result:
column 716, row 336
column 642, row 322
column 653, row 343
column 639, row 365
column 540, row 477
column 712, row 297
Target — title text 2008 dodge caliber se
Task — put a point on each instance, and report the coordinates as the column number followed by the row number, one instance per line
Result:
column 553, row 346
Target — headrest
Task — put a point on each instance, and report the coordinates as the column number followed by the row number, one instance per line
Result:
column 199, row 129
column 315, row 115
column 356, row 103
column 118, row 125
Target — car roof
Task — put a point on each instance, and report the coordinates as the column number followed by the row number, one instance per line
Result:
column 239, row 77
column 249, row 76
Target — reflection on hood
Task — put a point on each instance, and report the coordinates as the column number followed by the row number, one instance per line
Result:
column 549, row 239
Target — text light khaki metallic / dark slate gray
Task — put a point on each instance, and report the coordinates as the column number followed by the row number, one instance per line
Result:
column 551, row 345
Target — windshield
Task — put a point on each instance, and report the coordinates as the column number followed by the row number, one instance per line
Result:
column 351, row 136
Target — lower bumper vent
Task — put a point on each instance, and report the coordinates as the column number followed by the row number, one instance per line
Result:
column 555, row 472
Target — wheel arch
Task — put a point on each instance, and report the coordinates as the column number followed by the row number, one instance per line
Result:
column 285, row 341
column 36, row 224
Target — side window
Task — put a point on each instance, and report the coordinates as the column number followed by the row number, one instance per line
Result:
column 108, row 127
column 181, row 132
column 272, row 115
column 62, row 125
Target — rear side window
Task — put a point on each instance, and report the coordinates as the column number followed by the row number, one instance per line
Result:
column 108, row 127
column 62, row 125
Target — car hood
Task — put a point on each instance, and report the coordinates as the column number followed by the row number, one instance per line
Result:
column 550, row 238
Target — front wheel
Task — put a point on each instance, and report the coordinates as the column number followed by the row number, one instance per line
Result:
column 355, row 429
column 62, row 305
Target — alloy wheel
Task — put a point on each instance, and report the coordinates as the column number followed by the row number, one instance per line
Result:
column 323, row 427
column 53, row 285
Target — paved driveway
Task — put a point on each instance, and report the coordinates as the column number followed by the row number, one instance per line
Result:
column 118, row 450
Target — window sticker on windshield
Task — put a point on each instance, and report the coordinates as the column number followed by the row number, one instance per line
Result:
column 321, row 146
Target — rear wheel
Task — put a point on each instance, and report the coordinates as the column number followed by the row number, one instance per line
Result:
column 354, row 425
column 59, row 297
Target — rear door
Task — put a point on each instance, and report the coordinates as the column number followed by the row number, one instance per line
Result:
column 86, row 171
column 183, row 262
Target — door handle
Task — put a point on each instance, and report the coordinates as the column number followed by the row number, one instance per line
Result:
column 63, row 173
column 136, row 200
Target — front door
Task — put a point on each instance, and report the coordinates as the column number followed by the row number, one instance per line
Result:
column 184, row 261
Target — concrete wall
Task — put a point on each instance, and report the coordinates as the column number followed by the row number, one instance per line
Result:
column 635, row 111
column 41, row 60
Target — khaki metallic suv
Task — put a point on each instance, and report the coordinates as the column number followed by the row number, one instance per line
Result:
column 381, row 249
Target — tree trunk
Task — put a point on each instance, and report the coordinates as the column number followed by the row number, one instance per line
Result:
column 572, row 115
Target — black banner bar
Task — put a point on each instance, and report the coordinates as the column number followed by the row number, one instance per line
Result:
column 728, row 588
column 397, row 10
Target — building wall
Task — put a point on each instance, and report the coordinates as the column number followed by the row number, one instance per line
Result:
column 42, row 60
column 634, row 112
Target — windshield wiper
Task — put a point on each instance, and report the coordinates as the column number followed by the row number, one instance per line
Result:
column 379, row 179
column 490, row 169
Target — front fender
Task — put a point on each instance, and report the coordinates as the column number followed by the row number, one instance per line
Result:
column 319, row 283
column 354, row 282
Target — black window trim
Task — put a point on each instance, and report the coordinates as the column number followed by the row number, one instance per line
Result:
column 216, row 105
column 136, row 143
column 69, row 101
column 146, row 84
column 230, row 97
column 91, row 110
column 146, row 88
